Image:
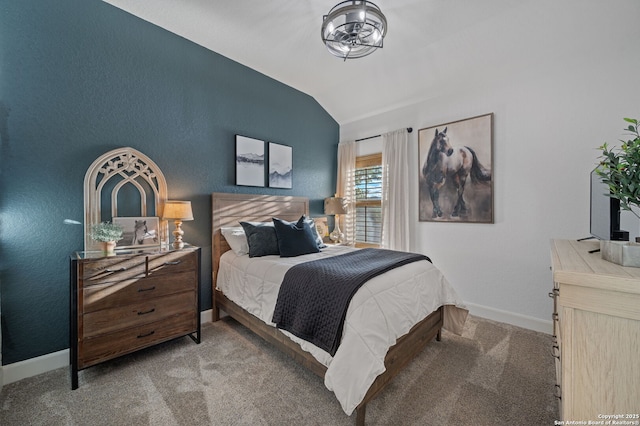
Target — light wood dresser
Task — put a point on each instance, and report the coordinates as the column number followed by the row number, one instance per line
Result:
column 597, row 334
column 130, row 301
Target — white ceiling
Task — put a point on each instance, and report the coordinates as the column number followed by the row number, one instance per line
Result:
column 432, row 47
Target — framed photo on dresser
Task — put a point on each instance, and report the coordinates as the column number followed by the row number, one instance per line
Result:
column 139, row 232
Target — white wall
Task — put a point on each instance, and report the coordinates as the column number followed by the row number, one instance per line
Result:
column 549, row 118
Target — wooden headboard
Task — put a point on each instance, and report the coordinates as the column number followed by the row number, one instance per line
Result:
column 230, row 209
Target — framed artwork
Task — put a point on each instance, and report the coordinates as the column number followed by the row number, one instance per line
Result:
column 249, row 161
column 280, row 166
column 322, row 227
column 455, row 172
column 139, row 232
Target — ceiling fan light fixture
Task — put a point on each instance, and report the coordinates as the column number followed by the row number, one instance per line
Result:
column 353, row 29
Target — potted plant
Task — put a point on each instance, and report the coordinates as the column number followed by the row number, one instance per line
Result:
column 108, row 234
column 620, row 169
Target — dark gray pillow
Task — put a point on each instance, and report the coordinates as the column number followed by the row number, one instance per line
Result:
column 261, row 238
column 294, row 239
column 314, row 230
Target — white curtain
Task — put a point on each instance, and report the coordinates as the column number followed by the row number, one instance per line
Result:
column 346, row 187
column 395, row 190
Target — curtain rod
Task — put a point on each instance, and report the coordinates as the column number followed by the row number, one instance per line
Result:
column 409, row 130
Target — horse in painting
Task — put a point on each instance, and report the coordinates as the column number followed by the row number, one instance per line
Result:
column 451, row 162
column 139, row 232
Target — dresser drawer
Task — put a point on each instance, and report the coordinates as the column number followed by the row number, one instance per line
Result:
column 172, row 262
column 111, row 269
column 107, row 346
column 109, row 320
column 105, row 296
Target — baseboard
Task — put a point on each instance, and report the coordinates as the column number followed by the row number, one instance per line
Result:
column 41, row 364
column 524, row 321
column 34, row 366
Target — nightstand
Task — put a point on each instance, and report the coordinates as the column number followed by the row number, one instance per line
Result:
column 130, row 301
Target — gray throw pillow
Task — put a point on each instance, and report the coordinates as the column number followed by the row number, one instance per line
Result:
column 261, row 238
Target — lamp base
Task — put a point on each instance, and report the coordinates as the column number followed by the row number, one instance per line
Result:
column 336, row 235
column 177, row 234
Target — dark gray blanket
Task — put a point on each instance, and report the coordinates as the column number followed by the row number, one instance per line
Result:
column 314, row 296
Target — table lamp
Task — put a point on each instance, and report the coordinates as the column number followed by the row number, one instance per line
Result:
column 177, row 211
column 335, row 206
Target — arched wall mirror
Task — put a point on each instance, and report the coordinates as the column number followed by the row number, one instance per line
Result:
column 123, row 183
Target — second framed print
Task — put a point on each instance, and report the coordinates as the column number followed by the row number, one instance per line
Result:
column 280, row 166
column 455, row 172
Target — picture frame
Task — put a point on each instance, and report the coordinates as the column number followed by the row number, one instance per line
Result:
column 249, row 161
column 322, row 227
column 280, row 166
column 455, row 177
column 139, row 232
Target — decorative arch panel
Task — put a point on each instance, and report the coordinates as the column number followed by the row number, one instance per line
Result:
column 120, row 171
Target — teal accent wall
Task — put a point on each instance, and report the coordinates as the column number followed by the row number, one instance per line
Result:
column 79, row 78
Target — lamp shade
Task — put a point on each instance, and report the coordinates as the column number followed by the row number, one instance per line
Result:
column 334, row 205
column 180, row 210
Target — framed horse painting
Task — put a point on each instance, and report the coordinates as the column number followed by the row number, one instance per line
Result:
column 138, row 232
column 455, row 172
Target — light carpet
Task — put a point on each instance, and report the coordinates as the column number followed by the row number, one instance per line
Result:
column 494, row 374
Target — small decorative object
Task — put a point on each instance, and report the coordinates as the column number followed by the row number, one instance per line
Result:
column 620, row 169
column 249, row 161
column 321, row 226
column 456, row 178
column 177, row 211
column 108, row 234
column 280, row 166
column 353, row 29
column 622, row 253
column 139, row 232
column 335, row 206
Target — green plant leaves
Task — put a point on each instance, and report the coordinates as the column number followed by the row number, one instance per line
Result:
column 620, row 169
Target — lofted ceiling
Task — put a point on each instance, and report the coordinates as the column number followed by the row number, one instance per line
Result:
column 433, row 47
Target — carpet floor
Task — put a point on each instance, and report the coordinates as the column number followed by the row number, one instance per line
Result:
column 494, row 374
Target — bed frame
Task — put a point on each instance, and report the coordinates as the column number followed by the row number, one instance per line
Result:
column 228, row 210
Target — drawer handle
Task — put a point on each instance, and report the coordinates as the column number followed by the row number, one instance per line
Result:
column 555, row 292
column 140, row 336
column 555, row 351
column 554, row 316
column 140, row 290
column 116, row 270
column 177, row 262
column 147, row 312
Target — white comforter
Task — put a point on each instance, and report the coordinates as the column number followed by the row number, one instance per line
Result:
column 383, row 309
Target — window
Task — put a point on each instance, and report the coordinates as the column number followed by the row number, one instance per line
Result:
column 369, row 200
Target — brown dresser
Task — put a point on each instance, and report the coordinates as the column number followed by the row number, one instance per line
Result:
column 597, row 335
column 130, row 301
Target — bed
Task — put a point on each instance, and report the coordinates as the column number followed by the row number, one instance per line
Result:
column 227, row 211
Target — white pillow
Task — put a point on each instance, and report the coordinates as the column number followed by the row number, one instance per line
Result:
column 236, row 238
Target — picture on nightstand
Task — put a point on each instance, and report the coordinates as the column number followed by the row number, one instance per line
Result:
column 138, row 232
column 322, row 227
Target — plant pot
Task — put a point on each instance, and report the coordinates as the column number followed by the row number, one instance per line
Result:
column 109, row 248
column 622, row 253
